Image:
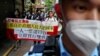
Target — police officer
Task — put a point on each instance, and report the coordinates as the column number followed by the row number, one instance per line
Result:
column 81, row 27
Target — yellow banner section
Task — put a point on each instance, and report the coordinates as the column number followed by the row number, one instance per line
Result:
column 27, row 25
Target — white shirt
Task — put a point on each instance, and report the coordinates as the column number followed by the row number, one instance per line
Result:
column 53, row 19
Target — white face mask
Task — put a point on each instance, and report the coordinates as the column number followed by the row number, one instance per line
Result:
column 85, row 34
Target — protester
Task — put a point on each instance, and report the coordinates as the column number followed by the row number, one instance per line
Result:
column 42, row 15
column 51, row 17
column 33, row 16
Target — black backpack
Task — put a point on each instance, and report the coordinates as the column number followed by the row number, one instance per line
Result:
column 49, row 48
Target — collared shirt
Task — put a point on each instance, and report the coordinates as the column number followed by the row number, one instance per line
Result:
column 64, row 52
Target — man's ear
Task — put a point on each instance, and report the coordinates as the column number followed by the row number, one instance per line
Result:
column 58, row 10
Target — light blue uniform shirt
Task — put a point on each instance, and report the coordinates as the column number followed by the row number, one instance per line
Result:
column 64, row 52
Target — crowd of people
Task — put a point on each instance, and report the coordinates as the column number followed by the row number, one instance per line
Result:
column 36, row 15
column 41, row 16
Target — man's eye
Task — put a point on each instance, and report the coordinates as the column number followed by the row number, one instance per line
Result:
column 80, row 9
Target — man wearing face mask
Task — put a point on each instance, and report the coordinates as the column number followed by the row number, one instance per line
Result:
column 81, row 27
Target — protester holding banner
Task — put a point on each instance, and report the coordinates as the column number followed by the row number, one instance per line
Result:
column 28, row 14
column 33, row 16
column 42, row 15
column 38, row 13
column 51, row 17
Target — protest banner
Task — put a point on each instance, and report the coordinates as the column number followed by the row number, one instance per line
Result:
column 30, row 29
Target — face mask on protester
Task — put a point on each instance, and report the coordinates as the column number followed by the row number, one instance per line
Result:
column 85, row 34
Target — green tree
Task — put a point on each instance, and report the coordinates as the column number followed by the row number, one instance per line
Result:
column 49, row 4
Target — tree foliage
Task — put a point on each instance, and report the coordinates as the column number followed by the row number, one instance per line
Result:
column 49, row 4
